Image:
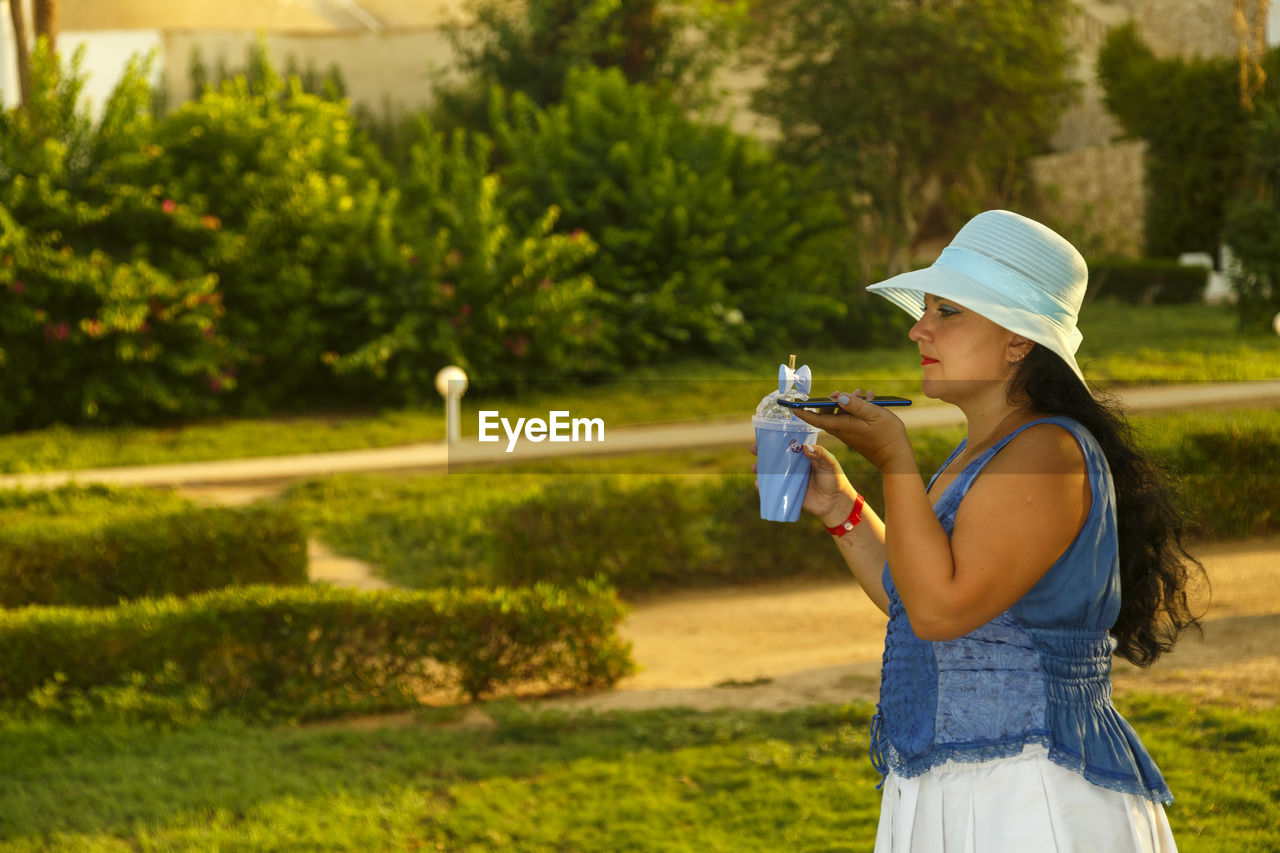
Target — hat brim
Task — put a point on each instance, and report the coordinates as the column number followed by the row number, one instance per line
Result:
column 908, row 290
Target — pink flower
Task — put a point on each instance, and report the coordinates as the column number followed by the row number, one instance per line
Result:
column 517, row 346
column 56, row 332
column 169, row 205
column 545, row 284
column 466, row 310
column 213, row 223
column 215, row 384
column 18, row 286
column 578, row 234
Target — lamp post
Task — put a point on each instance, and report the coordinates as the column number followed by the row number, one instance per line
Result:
column 451, row 382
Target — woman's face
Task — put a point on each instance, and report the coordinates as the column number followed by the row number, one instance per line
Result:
column 962, row 352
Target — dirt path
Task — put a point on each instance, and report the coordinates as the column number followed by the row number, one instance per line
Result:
column 787, row 645
column 791, row 644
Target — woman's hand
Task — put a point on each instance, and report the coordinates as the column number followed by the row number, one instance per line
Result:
column 873, row 431
column 830, row 496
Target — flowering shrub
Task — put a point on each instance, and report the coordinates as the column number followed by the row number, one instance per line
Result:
column 253, row 251
column 106, row 311
column 86, row 339
column 297, row 203
column 470, row 287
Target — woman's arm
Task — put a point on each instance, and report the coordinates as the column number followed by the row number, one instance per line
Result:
column 831, row 497
column 1018, row 517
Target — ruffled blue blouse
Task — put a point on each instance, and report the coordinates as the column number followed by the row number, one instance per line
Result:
column 1038, row 673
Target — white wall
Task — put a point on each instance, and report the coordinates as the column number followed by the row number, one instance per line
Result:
column 106, row 55
column 8, row 64
column 390, row 67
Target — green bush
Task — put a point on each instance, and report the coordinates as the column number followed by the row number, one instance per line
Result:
column 642, row 533
column 74, row 553
column 315, row 651
column 1253, row 225
column 707, row 243
column 650, row 533
column 1190, row 114
column 1228, row 482
column 252, row 251
column 469, row 286
column 303, row 219
column 533, row 48
column 97, row 501
column 1147, row 282
column 107, row 313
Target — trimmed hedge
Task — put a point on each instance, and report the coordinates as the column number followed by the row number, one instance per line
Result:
column 1229, row 483
column 651, row 533
column 153, row 551
column 650, row 537
column 669, row 533
column 645, row 533
column 1147, row 282
column 318, row 651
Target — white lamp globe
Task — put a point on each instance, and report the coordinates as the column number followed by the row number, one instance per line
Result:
column 451, row 374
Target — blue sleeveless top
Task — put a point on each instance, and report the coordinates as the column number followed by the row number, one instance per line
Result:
column 1038, row 673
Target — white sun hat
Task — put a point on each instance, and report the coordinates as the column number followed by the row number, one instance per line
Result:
column 1010, row 269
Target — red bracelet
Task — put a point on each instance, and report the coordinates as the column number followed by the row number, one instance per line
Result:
column 851, row 522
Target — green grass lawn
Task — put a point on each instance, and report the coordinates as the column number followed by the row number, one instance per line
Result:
column 658, row 780
column 1123, row 344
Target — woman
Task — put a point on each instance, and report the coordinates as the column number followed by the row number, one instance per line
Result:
column 1041, row 546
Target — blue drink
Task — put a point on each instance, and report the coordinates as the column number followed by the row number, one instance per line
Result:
column 782, row 469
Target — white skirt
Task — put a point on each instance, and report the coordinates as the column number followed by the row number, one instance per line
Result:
column 1018, row 804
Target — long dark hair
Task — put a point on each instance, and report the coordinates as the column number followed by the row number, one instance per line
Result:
column 1155, row 568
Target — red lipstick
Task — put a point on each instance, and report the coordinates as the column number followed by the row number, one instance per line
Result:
column 925, row 360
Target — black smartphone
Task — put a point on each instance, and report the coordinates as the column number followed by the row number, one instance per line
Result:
column 832, row 405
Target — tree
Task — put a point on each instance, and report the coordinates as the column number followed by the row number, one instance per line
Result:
column 1191, row 115
column 46, row 14
column 900, row 99
column 1252, row 223
column 531, row 47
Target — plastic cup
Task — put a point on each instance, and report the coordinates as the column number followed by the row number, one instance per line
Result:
column 782, row 469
